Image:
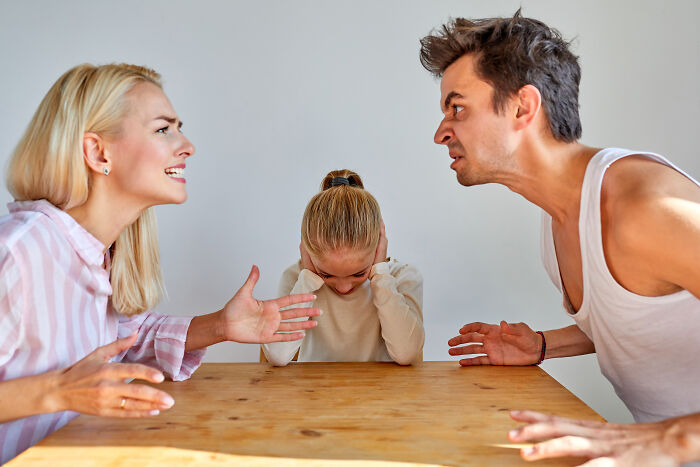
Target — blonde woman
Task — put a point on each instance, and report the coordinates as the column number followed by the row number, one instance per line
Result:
column 372, row 305
column 79, row 263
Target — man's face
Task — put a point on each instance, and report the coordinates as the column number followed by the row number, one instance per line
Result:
column 478, row 139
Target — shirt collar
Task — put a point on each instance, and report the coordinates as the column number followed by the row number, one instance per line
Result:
column 90, row 249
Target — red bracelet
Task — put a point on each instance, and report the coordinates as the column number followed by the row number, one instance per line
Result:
column 544, row 348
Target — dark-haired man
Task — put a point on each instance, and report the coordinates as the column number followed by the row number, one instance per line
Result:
column 621, row 238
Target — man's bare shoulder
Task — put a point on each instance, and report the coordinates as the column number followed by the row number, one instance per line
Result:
column 650, row 216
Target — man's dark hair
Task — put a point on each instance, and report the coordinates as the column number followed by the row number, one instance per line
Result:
column 510, row 53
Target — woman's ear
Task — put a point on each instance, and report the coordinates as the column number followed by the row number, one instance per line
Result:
column 529, row 102
column 94, row 153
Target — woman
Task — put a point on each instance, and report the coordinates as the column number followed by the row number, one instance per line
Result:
column 79, row 262
column 372, row 304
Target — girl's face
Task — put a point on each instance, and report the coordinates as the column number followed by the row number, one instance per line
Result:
column 148, row 155
column 344, row 270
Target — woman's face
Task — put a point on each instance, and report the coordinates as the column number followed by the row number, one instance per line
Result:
column 344, row 270
column 148, row 155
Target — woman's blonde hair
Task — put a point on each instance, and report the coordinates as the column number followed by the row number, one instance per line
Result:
column 48, row 164
column 341, row 216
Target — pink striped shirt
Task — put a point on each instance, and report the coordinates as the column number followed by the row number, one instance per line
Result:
column 55, row 309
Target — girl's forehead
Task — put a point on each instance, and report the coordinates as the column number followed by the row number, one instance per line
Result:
column 344, row 262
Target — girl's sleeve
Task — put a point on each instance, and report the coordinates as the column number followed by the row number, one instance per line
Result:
column 161, row 343
column 293, row 281
column 398, row 296
column 11, row 303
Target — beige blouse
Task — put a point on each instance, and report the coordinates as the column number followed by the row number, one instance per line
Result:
column 381, row 320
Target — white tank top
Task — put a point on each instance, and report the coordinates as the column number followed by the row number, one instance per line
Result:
column 648, row 347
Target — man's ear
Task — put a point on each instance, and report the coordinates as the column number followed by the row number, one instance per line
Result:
column 529, row 103
column 94, row 153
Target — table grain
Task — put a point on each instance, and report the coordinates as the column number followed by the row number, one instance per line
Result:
column 434, row 413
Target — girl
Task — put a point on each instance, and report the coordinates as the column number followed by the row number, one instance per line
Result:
column 79, row 262
column 372, row 304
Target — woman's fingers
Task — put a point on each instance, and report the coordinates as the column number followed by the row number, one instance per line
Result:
column 132, row 370
column 106, row 352
column 283, row 302
column 285, row 337
column 296, row 326
column 145, row 394
column 299, row 313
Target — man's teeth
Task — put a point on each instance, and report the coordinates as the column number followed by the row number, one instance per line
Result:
column 175, row 173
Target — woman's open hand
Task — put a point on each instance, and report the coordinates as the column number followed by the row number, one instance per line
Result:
column 246, row 319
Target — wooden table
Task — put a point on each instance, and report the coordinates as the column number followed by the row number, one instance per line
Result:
column 318, row 414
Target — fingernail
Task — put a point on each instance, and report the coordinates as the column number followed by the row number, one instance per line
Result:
column 315, row 297
column 154, row 412
column 167, row 402
column 513, row 433
column 320, row 312
column 158, row 377
column 528, row 451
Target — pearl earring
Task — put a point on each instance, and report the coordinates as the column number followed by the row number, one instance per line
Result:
column 106, row 170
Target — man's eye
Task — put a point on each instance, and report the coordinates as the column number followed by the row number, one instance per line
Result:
column 163, row 130
column 457, row 109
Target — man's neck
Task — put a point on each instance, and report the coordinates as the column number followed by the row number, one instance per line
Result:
column 550, row 175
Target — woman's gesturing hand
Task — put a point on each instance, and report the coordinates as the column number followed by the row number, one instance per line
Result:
column 504, row 344
column 245, row 319
column 667, row 443
column 95, row 386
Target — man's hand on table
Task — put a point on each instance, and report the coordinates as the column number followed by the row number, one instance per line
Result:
column 667, row 443
column 504, row 344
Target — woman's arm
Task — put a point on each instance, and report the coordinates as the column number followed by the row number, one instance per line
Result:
column 91, row 386
column 295, row 280
column 398, row 296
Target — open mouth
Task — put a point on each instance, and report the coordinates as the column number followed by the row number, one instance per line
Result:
column 175, row 172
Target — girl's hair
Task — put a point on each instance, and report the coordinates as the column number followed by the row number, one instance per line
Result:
column 48, row 164
column 341, row 216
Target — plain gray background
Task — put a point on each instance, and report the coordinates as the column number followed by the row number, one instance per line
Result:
column 274, row 94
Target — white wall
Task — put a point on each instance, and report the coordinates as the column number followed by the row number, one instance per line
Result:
column 276, row 93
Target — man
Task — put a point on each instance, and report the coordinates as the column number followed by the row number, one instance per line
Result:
column 621, row 238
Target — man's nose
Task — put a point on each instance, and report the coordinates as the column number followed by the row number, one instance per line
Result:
column 444, row 134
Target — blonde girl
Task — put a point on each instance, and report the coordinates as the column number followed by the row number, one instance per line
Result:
column 79, row 264
column 372, row 305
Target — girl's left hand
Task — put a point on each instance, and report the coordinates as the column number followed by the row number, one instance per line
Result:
column 382, row 246
column 245, row 319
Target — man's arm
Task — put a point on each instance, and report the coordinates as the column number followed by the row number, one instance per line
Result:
column 669, row 442
column 516, row 344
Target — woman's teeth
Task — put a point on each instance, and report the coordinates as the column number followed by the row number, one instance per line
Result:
column 175, row 173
